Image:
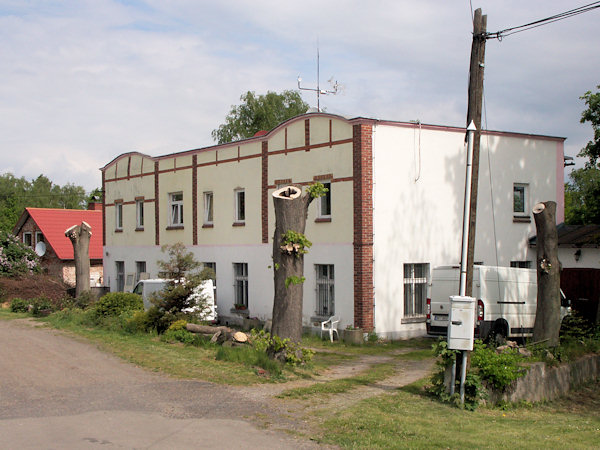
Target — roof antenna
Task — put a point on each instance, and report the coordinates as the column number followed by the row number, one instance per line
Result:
column 318, row 90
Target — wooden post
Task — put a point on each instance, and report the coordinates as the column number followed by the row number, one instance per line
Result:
column 291, row 210
column 547, row 316
column 474, row 114
column 80, row 238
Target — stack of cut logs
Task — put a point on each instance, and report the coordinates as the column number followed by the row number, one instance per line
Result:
column 220, row 335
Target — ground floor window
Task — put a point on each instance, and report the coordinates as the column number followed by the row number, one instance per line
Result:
column 240, row 284
column 140, row 268
column 521, row 264
column 415, row 289
column 120, row 269
column 325, row 290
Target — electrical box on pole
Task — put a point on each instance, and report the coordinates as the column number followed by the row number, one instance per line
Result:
column 461, row 324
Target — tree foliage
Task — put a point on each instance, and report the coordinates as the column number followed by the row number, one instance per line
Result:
column 16, row 194
column 582, row 197
column 592, row 115
column 16, row 258
column 256, row 113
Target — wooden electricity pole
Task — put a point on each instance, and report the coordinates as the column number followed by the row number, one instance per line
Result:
column 474, row 114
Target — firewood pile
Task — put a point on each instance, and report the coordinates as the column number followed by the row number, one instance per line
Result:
column 221, row 335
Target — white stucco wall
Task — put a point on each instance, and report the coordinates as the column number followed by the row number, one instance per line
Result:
column 419, row 177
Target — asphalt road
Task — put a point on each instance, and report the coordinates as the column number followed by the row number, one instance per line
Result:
column 57, row 392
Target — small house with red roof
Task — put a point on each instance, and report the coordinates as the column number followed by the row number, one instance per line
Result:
column 44, row 230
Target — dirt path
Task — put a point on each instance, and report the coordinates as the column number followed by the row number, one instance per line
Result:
column 48, row 375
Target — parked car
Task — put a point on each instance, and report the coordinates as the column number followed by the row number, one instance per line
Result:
column 506, row 300
column 206, row 290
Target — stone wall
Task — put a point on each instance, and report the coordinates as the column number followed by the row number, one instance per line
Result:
column 547, row 383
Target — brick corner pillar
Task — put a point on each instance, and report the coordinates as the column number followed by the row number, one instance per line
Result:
column 194, row 200
column 362, row 162
column 156, row 205
column 103, row 208
column 264, row 192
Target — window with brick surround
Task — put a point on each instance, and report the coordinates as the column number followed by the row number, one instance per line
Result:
column 240, row 206
column 176, row 209
column 415, row 289
column 324, row 203
column 139, row 214
column 325, row 290
column 208, row 208
column 240, row 284
column 119, row 215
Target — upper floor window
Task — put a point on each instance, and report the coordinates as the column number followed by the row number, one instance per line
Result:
column 208, row 208
column 119, row 215
column 28, row 239
column 39, row 237
column 415, row 289
column 240, row 205
column 520, row 199
column 139, row 214
column 176, row 209
column 324, row 203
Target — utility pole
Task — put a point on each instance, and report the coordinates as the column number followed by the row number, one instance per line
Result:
column 474, row 114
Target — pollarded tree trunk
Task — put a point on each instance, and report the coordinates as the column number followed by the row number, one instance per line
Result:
column 80, row 238
column 291, row 210
column 547, row 317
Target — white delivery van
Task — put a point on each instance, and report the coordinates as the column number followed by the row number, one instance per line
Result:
column 506, row 300
column 206, row 290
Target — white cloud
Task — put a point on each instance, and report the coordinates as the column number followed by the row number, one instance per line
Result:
column 83, row 81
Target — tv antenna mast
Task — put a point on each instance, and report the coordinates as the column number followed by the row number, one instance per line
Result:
column 318, row 90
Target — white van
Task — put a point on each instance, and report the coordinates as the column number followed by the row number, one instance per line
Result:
column 206, row 290
column 506, row 300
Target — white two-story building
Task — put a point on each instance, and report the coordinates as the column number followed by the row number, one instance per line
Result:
column 393, row 211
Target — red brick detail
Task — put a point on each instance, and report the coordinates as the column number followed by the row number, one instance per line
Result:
column 307, row 134
column 325, row 177
column 129, row 167
column 194, row 200
column 283, row 181
column 362, row 156
column 103, row 209
column 264, row 193
column 156, row 206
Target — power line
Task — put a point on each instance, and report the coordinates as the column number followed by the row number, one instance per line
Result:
column 538, row 23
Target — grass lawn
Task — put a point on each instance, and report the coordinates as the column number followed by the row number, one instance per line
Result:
column 409, row 419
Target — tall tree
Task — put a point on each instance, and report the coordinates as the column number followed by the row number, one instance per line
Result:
column 592, row 115
column 257, row 113
column 582, row 197
column 16, row 194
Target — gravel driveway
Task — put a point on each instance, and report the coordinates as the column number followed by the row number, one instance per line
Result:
column 59, row 392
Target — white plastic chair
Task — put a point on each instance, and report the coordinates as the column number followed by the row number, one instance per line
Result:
column 330, row 326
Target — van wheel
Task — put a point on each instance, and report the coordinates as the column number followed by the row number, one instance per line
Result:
column 497, row 336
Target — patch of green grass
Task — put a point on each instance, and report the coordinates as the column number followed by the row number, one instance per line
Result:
column 417, row 355
column 406, row 420
column 368, row 348
column 370, row 376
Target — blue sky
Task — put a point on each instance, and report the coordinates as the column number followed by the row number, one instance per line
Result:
column 83, row 81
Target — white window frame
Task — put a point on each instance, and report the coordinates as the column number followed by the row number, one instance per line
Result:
column 240, row 205
column 209, row 207
column 415, row 290
column 324, row 202
column 39, row 237
column 140, row 268
column 29, row 235
column 139, row 214
column 240, row 284
column 524, row 188
column 175, row 209
column 325, row 290
column 120, row 275
column 119, row 215
column 521, row 264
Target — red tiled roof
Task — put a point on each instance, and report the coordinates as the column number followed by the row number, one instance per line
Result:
column 54, row 222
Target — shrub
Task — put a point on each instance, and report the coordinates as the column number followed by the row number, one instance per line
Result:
column 16, row 258
column 282, row 349
column 19, row 305
column 41, row 306
column 115, row 303
column 180, row 335
column 158, row 319
column 497, row 369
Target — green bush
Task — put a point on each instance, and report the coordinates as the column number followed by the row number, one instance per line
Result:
column 180, row 335
column 282, row 349
column 497, row 369
column 19, row 305
column 41, row 306
column 115, row 303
